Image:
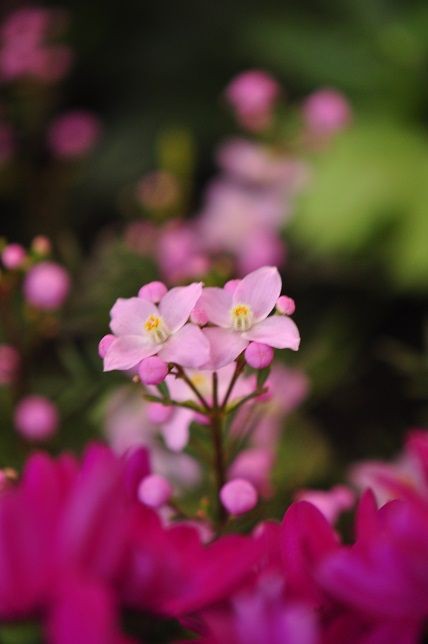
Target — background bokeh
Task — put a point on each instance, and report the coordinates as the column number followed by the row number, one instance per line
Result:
column 357, row 262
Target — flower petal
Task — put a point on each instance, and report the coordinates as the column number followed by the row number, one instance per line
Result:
column 217, row 303
column 225, row 346
column 128, row 315
column 278, row 331
column 188, row 347
column 127, row 351
column 176, row 306
column 176, row 431
column 260, row 290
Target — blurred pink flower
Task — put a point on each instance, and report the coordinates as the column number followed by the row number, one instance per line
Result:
column 180, row 254
column 73, row 134
column 36, row 418
column 331, row 503
column 9, row 364
column 46, row 285
column 143, row 329
column 238, row 496
column 13, row 256
column 253, row 95
column 326, row 111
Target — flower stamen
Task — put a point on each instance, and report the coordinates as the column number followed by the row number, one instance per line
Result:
column 242, row 317
column 155, row 327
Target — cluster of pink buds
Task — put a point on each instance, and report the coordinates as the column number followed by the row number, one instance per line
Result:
column 201, row 354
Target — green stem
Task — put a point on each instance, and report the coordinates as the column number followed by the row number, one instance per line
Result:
column 240, row 364
column 217, row 418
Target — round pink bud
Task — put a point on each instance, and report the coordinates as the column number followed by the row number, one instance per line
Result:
column 73, row 134
column 159, row 413
column 152, row 371
column 154, row 491
column 198, row 316
column 13, row 256
column 153, row 291
column 9, row 363
column 46, row 286
column 105, row 344
column 41, row 245
column 238, row 496
column 258, row 355
column 231, row 286
column 285, row 305
column 36, row 418
column 326, row 111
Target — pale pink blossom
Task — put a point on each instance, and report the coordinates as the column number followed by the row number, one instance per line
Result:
column 143, row 329
column 243, row 315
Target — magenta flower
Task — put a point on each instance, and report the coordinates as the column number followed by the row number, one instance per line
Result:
column 326, row 111
column 143, row 329
column 36, row 418
column 252, row 95
column 243, row 315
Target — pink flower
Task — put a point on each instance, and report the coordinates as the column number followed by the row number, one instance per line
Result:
column 238, row 496
column 143, row 329
column 326, row 111
column 152, row 370
column 243, row 315
column 73, row 134
column 46, row 286
column 252, row 95
column 13, row 256
column 36, row 418
column 330, row 503
column 154, row 491
column 258, row 356
column 9, row 363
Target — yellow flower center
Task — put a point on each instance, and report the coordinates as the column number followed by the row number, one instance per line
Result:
column 242, row 317
column 155, row 327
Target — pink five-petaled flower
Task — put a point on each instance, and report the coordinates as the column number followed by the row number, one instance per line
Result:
column 243, row 315
column 143, row 329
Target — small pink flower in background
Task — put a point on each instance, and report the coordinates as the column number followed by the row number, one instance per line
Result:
column 46, row 286
column 158, row 190
column 179, row 252
column 154, row 491
column 238, row 496
column 243, row 315
column 27, row 50
column 7, row 143
column 13, row 256
column 143, row 329
column 36, row 418
column 253, row 95
column 74, row 134
column 326, row 111
column 255, row 465
column 330, row 503
column 9, row 364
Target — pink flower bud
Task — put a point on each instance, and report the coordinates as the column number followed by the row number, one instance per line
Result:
column 73, row 134
column 238, row 496
column 258, row 355
column 36, row 418
column 159, row 413
column 198, row 316
column 9, row 363
column 41, row 245
column 231, row 286
column 13, row 256
column 105, row 344
column 152, row 371
column 285, row 305
column 326, row 111
column 154, row 491
column 252, row 95
column 154, row 291
column 46, row 286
